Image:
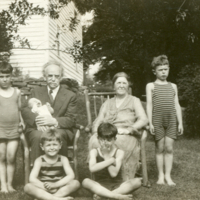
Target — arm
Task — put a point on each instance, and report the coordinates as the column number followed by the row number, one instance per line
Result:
column 94, row 166
column 140, row 115
column 178, row 111
column 100, row 117
column 35, row 173
column 68, row 170
column 114, row 170
column 21, row 121
column 149, row 89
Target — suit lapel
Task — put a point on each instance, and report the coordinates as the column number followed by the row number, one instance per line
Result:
column 59, row 100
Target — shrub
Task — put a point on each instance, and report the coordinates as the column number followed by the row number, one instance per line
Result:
column 189, row 92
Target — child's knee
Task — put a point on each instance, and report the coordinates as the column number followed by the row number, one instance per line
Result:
column 27, row 187
column 159, row 149
column 76, row 184
column 85, row 182
column 136, row 182
column 169, row 149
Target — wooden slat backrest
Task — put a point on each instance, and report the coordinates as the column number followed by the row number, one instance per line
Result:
column 94, row 100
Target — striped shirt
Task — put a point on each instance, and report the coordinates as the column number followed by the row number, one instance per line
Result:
column 51, row 172
column 164, row 112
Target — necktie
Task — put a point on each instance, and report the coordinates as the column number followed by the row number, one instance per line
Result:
column 51, row 96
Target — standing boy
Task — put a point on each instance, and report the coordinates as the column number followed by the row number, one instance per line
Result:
column 164, row 113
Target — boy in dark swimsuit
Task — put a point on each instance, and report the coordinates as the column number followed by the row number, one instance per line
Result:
column 105, row 162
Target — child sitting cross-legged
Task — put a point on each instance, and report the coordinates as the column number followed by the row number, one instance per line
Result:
column 52, row 176
column 105, row 162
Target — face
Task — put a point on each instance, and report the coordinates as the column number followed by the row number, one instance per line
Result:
column 162, row 72
column 121, row 86
column 37, row 103
column 5, row 80
column 106, row 144
column 53, row 76
column 51, row 148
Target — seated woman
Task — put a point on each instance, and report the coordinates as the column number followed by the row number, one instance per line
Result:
column 127, row 114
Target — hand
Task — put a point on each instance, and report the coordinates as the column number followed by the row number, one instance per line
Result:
column 45, row 120
column 180, row 129
column 43, row 128
column 21, row 124
column 49, row 186
column 134, row 131
column 123, row 131
column 151, row 129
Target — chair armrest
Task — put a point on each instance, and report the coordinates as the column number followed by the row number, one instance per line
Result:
column 80, row 127
column 88, row 129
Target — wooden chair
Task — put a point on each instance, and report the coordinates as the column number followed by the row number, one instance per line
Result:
column 98, row 98
column 72, row 149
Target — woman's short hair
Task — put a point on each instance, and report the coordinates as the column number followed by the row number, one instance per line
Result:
column 159, row 60
column 50, row 135
column 52, row 62
column 107, row 131
column 6, row 68
column 121, row 74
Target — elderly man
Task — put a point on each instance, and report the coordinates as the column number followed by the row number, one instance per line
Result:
column 62, row 101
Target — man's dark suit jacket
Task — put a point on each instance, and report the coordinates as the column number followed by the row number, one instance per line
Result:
column 64, row 108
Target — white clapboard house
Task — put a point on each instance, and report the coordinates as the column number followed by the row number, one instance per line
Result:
column 48, row 38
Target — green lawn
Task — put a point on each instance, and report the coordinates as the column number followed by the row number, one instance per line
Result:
column 185, row 172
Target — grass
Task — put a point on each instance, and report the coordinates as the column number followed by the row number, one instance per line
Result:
column 185, row 171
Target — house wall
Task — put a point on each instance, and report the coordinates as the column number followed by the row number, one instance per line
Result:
column 41, row 33
column 65, row 39
column 30, row 61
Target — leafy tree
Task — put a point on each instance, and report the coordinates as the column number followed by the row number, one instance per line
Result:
column 126, row 35
column 17, row 15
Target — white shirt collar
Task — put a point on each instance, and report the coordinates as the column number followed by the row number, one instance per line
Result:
column 55, row 91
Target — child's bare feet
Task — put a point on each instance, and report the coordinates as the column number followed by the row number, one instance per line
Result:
column 4, row 189
column 125, row 197
column 96, row 197
column 10, row 188
column 161, row 180
column 169, row 181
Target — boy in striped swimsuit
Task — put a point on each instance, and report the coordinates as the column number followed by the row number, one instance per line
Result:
column 164, row 114
column 52, row 176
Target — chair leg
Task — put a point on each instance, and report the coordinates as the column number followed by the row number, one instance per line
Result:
column 26, row 158
column 143, row 159
column 75, row 154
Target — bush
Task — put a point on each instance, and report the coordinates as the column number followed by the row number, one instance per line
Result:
column 189, row 92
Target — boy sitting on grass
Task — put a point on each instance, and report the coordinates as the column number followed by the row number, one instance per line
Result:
column 52, row 176
column 105, row 162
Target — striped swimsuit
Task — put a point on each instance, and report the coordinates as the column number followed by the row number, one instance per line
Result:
column 51, row 172
column 164, row 113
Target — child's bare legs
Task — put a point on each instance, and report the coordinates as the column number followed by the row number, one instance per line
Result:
column 3, row 145
column 128, row 186
column 64, row 191
column 96, row 188
column 42, row 194
column 160, row 160
column 12, row 146
column 168, row 160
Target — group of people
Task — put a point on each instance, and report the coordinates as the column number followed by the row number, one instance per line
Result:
column 114, row 148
